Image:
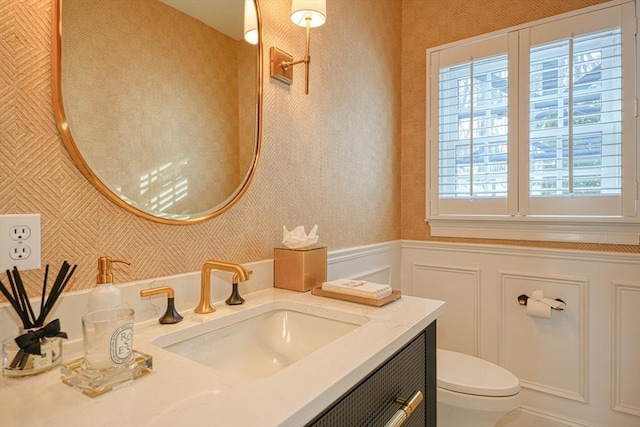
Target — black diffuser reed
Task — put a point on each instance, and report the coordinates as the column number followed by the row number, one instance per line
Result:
column 29, row 342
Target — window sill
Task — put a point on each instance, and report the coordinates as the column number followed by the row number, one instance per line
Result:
column 583, row 230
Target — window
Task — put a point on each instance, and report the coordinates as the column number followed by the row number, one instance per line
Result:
column 533, row 131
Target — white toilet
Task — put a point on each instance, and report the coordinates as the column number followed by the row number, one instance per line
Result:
column 473, row 392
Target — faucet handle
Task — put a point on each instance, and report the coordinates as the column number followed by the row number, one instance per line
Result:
column 235, row 298
column 171, row 315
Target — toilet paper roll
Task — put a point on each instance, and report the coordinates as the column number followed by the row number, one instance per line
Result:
column 538, row 309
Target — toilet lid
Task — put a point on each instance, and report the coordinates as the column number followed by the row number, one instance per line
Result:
column 462, row 373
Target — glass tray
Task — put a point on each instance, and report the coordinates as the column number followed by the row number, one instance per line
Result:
column 96, row 383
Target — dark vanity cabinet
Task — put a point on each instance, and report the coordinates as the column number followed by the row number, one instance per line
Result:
column 372, row 402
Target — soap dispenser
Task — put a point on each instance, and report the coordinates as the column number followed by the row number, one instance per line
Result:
column 105, row 295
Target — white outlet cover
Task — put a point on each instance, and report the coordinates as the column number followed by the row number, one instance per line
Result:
column 9, row 244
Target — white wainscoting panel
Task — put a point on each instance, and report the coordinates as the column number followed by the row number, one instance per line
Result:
column 548, row 355
column 379, row 263
column 626, row 348
column 579, row 368
column 460, row 287
column 378, row 275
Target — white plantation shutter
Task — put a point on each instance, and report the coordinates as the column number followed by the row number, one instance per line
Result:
column 471, row 127
column 537, row 123
column 575, row 105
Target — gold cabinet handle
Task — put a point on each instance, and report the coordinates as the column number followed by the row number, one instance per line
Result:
column 408, row 406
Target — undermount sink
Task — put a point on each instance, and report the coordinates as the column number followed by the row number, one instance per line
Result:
column 258, row 342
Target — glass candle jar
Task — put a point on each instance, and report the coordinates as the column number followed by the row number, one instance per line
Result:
column 18, row 363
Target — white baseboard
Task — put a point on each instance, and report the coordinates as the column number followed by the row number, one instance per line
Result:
column 525, row 417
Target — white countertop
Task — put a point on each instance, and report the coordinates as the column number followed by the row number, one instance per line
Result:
column 182, row 392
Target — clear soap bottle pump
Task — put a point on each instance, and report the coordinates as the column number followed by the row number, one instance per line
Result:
column 105, row 295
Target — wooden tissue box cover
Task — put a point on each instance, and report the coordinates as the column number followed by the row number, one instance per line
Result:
column 299, row 269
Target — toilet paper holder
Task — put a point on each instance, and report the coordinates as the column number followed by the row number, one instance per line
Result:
column 522, row 300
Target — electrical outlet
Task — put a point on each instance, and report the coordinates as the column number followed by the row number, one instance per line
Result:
column 20, row 252
column 20, row 233
column 20, row 242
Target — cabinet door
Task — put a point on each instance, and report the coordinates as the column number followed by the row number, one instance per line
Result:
column 372, row 402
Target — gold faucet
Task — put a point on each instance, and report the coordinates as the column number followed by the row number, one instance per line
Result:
column 240, row 274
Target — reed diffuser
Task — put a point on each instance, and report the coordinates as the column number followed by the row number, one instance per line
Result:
column 39, row 348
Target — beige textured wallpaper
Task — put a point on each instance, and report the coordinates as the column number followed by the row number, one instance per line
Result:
column 429, row 23
column 331, row 158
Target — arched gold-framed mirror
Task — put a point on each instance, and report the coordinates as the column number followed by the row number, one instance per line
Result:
column 160, row 110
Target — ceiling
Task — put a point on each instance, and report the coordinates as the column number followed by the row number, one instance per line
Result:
column 225, row 16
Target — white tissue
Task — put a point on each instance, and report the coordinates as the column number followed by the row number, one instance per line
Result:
column 540, row 306
column 553, row 303
column 297, row 238
column 538, row 309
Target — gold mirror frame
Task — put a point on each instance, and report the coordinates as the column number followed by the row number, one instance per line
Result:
column 85, row 169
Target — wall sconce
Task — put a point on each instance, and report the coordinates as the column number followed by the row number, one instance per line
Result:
column 304, row 13
column 250, row 22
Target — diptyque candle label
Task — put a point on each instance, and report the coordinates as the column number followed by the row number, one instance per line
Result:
column 120, row 344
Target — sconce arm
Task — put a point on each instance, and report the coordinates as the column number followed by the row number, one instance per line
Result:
column 285, row 65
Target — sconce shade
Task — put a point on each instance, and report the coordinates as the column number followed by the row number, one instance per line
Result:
column 307, row 14
column 317, row 9
column 250, row 22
